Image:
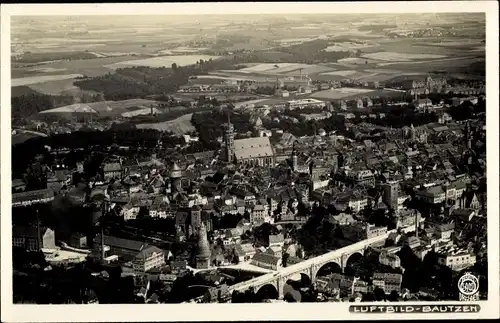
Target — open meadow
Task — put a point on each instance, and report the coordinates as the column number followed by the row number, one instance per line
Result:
column 116, row 108
column 41, row 79
column 179, row 126
column 57, row 87
column 347, row 46
column 88, row 67
column 162, row 61
column 340, row 93
column 353, row 94
column 400, row 57
column 283, row 69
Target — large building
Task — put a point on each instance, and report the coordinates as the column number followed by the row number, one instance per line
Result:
column 148, row 258
column 254, row 151
column 176, row 179
column 125, row 248
column 420, row 85
column 33, row 238
column 78, row 112
column 305, row 103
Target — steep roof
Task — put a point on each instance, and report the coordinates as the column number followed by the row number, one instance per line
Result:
column 253, row 148
column 74, row 108
column 266, row 258
column 32, row 195
column 121, row 243
column 147, row 252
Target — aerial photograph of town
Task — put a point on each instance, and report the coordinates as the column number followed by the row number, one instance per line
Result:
column 248, row 158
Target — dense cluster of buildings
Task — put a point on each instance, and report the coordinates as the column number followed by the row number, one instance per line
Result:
column 429, row 178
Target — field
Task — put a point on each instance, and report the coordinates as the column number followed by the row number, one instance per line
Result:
column 115, row 108
column 181, row 50
column 310, row 70
column 400, row 57
column 41, row 79
column 346, row 46
column 283, row 69
column 21, row 90
column 162, row 61
column 458, row 44
column 178, row 126
column 106, row 48
column 259, row 68
column 47, row 69
column 52, row 56
column 237, row 75
column 356, row 61
column 339, row 94
column 57, row 87
column 89, row 67
column 346, row 73
column 353, row 94
column 449, row 65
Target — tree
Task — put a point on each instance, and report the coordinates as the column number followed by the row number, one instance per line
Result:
column 393, row 296
column 369, row 297
column 379, row 294
column 285, row 259
column 289, row 298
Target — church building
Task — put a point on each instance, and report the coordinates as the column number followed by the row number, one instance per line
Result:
column 256, row 151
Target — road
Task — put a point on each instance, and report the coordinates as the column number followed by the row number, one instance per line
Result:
column 245, row 266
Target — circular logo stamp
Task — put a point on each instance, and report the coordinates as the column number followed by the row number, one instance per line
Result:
column 468, row 284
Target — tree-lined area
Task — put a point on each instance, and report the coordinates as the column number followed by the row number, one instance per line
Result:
column 24, row 153
column 143, row 81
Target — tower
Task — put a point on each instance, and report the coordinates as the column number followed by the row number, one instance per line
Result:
column 203, row 255
column 468, row 136
column 196, row 217
column 391, row 192
column 428, row 82
column 229, row 140
column 175, row 178
column 412, row 132
column 295, row 159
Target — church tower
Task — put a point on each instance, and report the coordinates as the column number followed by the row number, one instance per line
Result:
column 176, row 178
column 295, row 159
column 229, row 140
column 203, row 255
column 468, row 136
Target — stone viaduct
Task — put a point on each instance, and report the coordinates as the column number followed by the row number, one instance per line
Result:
column 310, row 267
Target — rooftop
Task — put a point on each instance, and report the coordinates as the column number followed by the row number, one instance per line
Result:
column 253, row 148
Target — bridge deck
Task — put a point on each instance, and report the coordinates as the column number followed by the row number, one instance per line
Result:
column 329, row 256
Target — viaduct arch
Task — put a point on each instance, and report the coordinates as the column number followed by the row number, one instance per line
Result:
column 310, row 267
